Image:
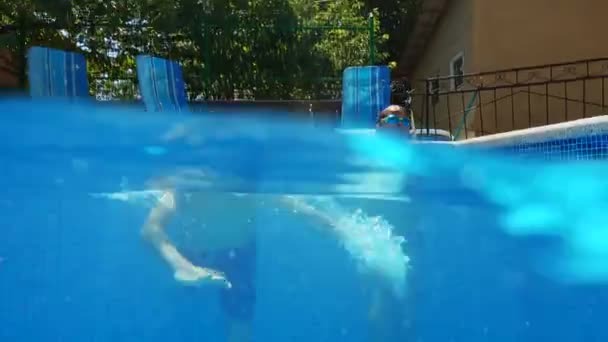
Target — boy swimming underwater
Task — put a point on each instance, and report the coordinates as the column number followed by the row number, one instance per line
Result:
column 221, row 229
column 231, row 249
column 223, row 257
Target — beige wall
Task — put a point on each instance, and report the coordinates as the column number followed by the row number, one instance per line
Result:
column 453, row 35
column 516, row 33
column 504, row 34
column 520, row 33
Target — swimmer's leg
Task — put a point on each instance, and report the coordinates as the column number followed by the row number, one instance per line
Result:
column 387, row 317
column 379, row 318
column 300, row 205
column 240, row 331
column 185, row 271
column 238, row 303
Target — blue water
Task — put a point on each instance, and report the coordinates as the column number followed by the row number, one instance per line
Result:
column 498, row 249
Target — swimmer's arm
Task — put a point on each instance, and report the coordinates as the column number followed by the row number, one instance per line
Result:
column 159, row 216
column 153, row 231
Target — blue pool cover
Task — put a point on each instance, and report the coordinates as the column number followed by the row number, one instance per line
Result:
column 57, row 73
column 365, row 92
column 161, row 84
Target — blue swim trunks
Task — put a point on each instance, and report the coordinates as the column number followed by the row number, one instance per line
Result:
column 239, row 266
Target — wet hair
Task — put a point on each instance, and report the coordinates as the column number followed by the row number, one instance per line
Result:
column 392, row 109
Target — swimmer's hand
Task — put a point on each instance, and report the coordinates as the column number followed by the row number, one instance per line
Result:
column 199, row 276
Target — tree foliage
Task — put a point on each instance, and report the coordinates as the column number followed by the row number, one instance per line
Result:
column 278, row 49
column 397, row 19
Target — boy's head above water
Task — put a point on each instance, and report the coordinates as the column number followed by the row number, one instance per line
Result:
column 392, row 118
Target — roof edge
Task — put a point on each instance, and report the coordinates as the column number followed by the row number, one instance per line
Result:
column 431, row 12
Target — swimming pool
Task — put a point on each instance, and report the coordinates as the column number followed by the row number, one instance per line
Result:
column 499, row 249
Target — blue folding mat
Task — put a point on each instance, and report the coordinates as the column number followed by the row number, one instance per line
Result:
column 57, row 73
column 366, row 91
column 161, row 83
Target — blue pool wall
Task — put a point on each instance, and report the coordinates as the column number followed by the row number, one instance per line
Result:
column 584, row 139
column 80, row 272
column 478, row 283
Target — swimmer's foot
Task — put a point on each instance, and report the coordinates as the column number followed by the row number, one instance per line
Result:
column 197, row 276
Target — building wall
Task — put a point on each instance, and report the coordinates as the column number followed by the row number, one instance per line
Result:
column 503, row 34
column 516, row 33
column 520, row 33
column 453, row 35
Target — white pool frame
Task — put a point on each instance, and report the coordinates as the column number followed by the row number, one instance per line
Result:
column 565, row 130
column 571, row 129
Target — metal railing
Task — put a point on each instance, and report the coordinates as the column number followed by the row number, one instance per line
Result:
column 498, row 101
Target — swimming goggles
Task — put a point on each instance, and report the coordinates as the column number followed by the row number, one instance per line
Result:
column 393, row 119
